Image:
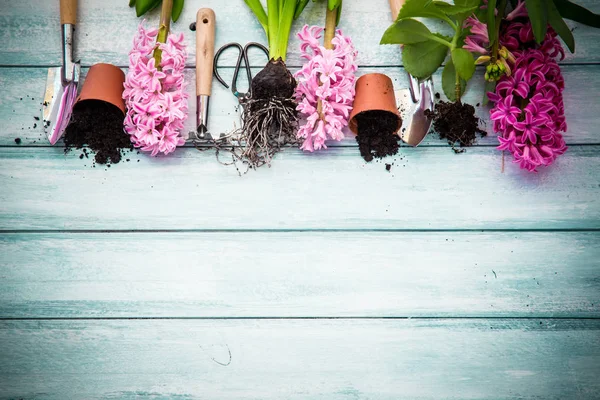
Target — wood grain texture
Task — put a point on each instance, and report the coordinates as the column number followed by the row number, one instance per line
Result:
column 205, row 52
column 68, row 12
column 106, row 28
column 301, row 359
column 362, row 274
column 23, row 92
column 428, row 188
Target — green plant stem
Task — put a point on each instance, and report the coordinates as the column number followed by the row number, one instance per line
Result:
column 330, row 24
column 273, row 31
column 285, row 28
column 451, row 23
column 440, row 40
column 457, row 87
column 330, row 20
column 496, row 44
column 163, row 29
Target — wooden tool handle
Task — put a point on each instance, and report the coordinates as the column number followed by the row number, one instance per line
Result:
column 68, row 12
column 205, row 50
column 395, row 6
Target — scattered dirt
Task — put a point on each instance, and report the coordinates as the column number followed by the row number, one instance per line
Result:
column 456, row 123
column 376, row 134
column 18, row 140
column 388, row 167
column 99, row 125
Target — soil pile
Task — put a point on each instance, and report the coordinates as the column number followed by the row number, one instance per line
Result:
column 99, row 125
column 456, row 123
column 376, row 134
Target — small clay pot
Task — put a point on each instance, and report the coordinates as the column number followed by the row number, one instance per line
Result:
column 104, row 82
column 374, row 92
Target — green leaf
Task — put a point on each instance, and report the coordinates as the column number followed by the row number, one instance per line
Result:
column 420, row 8
column 453, row 9
column 464, row 63
column 491, row 21
column 422, row 59
column 143, row 6
column 449, row 81
column 131, row 3
column 406, row 31
column 538, row 15
column 577, row 13
column 177, row 9
column 560, row 26
column 300, row 7
column 259, row 12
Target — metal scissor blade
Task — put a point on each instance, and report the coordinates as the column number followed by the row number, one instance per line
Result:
column 59, row 99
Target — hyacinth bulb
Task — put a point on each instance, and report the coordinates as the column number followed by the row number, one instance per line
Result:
column 325, row 90
column 157, row 104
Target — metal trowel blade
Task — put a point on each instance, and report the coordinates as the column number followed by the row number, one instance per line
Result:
column 59, row 99
column 415, row 124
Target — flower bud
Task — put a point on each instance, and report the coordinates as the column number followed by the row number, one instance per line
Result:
column 482, row 60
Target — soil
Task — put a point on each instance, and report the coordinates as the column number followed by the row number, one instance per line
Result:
column 99, row 125
column 376, row 134
column 457, row 123
column 18, row 140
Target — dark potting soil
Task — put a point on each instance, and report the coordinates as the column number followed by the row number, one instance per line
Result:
column 456, row 123
column 376, row 134
column 99, row 125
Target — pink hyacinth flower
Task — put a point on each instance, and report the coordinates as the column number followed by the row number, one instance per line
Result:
column 528, row 110
column 155, row 97
column 327, row 77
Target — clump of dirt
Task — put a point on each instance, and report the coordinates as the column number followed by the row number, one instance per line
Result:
column 99, row 125
column 18, row 140
column 376, row 134
column 456, row 123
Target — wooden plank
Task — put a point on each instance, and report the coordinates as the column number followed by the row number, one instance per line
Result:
column 301, row 359
column 31, row 32
column 427, row 188
column 23, row 88
column 368, row 274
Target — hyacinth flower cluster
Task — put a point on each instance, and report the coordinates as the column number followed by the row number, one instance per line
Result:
column 155, row 96
column 325, row 91
column 528, row 107
column 477, row 42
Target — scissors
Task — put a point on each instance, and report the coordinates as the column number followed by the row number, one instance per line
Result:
column 243, row 55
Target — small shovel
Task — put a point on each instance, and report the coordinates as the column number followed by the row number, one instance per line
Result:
column 61, row 84
column 205, row 52
column 414, row 101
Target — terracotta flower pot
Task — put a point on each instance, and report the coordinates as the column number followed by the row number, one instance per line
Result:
column 104, row 82
column 374, row 92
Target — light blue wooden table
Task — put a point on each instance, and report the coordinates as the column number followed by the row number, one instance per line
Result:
column 175, row 278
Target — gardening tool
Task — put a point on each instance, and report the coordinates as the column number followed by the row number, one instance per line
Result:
column 61, row 84
column 243, row 56
column 414, row 101
column 205, row 50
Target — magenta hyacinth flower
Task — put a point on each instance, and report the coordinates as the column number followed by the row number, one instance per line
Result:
column 328, row 77
column 478, row 40
column 528, row 110
column 156, row 100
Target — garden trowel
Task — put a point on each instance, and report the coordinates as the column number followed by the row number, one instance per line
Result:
column 414, row 101
column 205, row 52
column 61, row 84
